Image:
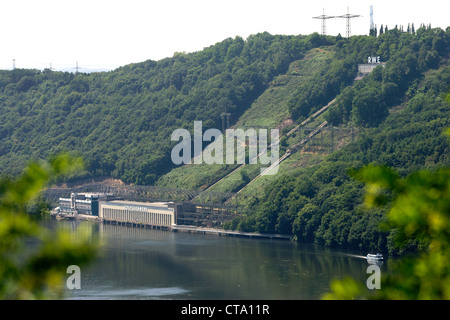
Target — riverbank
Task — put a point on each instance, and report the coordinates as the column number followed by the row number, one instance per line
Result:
column 220, row 232
column 177, row 228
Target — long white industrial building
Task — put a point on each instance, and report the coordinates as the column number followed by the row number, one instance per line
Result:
column 154, row 213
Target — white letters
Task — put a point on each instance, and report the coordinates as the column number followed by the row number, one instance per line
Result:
column 374, row 60
column 215, row 147
column 274, row 151
column 136, row 208
column 74, row 281
column 240, row 148
column 184, row 146
column 230, row 309
column 374, row 281
column 198, row 156
column 213, row 153
column 198, row 310
column 240, row 309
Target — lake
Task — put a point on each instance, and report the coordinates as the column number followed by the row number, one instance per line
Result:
column 138, row 263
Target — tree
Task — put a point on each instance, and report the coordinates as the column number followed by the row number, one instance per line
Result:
column 369, row 108
column 244, row 176
column 38, row 275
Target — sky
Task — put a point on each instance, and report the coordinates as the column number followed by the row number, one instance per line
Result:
column 106, row 34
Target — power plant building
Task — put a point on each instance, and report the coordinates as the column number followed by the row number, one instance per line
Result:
column 86, row 204
column 159, row 214
column 151, row 213
column 111, row 208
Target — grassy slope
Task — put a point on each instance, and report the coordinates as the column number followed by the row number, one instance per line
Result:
column 269, row 110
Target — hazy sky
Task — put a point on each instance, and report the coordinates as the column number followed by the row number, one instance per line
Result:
column 111, row 33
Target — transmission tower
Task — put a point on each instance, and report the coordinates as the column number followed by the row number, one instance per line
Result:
column 324, row 18
column 348, row 17
column 77, row 68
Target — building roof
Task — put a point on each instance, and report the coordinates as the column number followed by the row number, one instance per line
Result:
column 154, row 205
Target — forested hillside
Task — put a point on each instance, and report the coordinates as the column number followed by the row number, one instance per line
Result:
column 121, row 122
column 402, row 113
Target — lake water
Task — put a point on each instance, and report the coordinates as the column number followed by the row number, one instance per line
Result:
column 154, row 264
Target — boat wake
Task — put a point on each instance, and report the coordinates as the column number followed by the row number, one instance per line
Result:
column 357, row 256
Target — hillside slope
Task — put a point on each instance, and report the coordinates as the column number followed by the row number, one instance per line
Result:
column 401, row 112
column 121, row 121
column 270, row 109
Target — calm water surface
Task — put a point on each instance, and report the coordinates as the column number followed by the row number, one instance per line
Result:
column 153, row 264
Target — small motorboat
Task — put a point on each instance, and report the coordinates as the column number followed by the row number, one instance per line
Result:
column 376, row 256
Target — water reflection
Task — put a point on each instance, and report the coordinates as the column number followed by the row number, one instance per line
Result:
column 146, row 293
column 152, row 264
column 375, row 262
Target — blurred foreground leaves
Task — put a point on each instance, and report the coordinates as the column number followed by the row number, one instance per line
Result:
column 33, row 259
column 419, row 213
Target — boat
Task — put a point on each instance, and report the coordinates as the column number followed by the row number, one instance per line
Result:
column 377, row 256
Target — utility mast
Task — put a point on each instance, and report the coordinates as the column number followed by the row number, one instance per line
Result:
column 324, row 17
column 77, row 68
column 348, row 17
column 14, row 64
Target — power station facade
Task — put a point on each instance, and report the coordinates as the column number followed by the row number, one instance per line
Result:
column 155, row 214
column 159, row 214
column 110, row 209
column 86, row 204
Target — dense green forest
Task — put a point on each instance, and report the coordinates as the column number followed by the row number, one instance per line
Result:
column 402, row 112
column 121, row 121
